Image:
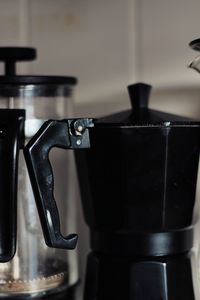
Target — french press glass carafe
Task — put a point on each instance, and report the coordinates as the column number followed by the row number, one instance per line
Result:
column 137, row 171
column 27, row 266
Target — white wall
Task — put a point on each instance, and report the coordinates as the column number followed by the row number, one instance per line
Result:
column 166, row 28
column 88, row 39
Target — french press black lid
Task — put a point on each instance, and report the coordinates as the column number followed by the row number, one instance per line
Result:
column 11, row 55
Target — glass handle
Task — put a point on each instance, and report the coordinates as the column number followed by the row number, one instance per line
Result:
column 11, row 139
column 67, row 134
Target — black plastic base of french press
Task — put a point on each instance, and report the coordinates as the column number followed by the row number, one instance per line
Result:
column 68, row 294
column 125, row 278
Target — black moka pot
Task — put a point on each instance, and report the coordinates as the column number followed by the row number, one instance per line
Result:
column 137, row 171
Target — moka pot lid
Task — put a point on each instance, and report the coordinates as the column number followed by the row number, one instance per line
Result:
column 141, row 115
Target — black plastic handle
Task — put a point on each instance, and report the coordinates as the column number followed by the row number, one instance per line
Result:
column 67, row 134
column 11, row 139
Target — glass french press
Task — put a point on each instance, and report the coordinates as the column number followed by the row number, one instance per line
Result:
column 28, row 267
column 137, row 171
